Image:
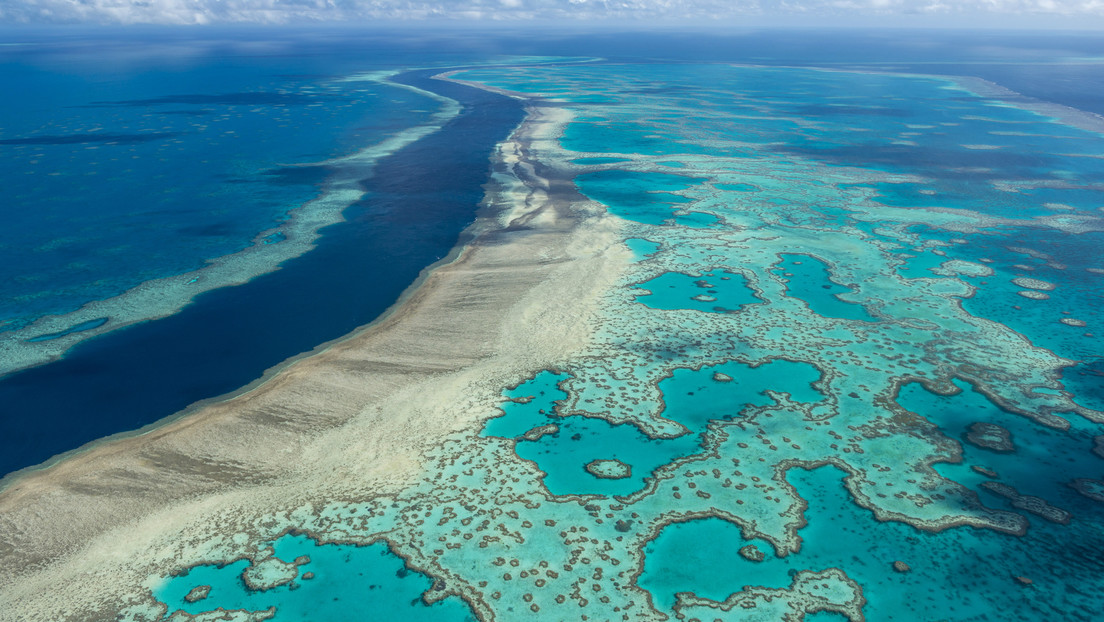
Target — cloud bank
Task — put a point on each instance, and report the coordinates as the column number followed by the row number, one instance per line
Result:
column 367, row 11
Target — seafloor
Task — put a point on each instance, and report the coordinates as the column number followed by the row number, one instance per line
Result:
column 731, row 343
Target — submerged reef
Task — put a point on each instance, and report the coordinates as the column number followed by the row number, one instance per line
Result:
column 990, row 436
column 748, row 391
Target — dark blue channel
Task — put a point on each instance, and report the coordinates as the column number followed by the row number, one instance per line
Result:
column 419, row 201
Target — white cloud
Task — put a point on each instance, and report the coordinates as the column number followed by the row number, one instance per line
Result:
column 299, row 11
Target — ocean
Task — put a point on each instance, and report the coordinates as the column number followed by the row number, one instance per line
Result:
column 147, row 209
column 851, row 369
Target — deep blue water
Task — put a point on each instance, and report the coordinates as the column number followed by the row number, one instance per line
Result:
column 418, row 202
column 116, row 175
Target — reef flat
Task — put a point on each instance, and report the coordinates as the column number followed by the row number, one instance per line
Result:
column 730, row 342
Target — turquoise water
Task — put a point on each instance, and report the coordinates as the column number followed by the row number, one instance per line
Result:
column 532, row 404
column 809, row 279
column 905, row 205
column 344, row 582
column 564, row 454
column 920, row 263
column 695, row 397
column 1044, row 461
column 961, row 574
column 643, row 197
column 598, row 161
column 812, row 244
column 825, row 616
column 697, row 220
column 692, row 398
column 76, row 328
column 642, row 248
column 599, row 135
column 720, row 292
column 960, row 195
column 737, row 187
column 1064, row 263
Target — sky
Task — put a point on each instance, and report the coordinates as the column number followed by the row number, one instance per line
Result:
column 954, row 13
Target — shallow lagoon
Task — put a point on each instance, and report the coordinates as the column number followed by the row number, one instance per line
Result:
column 309, row 581
column 962, row 574
column 644, row 197
column 719, row 292
column 809, row 279
column 692, row 398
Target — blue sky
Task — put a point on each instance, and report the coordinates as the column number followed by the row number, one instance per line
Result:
column 955, row 13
